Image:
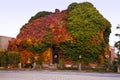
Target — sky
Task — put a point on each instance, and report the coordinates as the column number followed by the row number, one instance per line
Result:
column 15, row 13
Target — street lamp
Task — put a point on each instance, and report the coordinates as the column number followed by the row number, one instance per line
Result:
column 79, row 66
column 107, row 62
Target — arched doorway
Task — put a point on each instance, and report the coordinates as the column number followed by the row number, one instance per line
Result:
column 51, row 55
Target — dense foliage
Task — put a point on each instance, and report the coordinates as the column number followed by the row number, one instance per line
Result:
column 40, row 34
column 90, row 31
column 79, row 30
column 72, row 6
column 9, row 58
column 40, row 14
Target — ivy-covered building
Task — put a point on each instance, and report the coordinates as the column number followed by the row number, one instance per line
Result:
column 80, row 30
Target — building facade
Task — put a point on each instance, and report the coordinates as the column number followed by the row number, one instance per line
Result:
column 4, row 42
column 112, row 54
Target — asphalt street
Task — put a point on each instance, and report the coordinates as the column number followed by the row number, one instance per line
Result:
column 56, row 75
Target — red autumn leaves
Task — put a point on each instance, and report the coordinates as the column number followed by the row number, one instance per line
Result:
column 36, row 30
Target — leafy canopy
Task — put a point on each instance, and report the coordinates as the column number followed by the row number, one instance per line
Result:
column 90, row 31
column 39, row 14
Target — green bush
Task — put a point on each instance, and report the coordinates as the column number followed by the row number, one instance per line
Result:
column 9, row 58
column 13, row 58
column 3, row 58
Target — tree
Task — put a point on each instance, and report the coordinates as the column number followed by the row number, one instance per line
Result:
column 13, row 58
column 117, row 44
column 2, row 57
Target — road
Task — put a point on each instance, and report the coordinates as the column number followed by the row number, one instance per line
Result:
column 56, row 75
